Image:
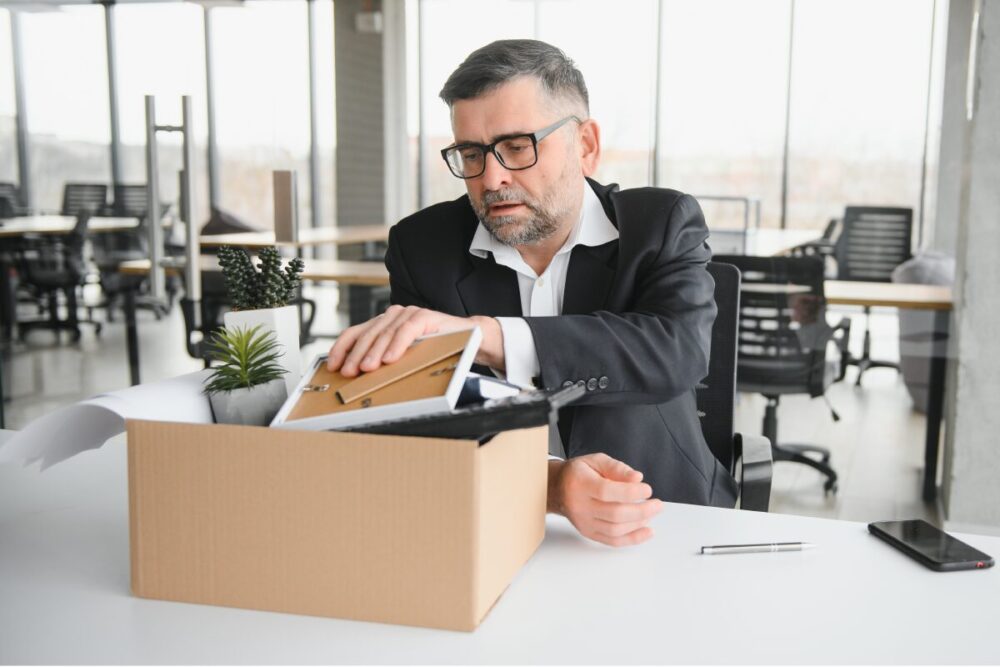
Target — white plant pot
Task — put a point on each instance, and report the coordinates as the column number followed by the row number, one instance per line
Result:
column 284, row 322
column 254, row 406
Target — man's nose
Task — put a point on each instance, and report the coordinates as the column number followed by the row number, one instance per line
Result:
column 495, row 175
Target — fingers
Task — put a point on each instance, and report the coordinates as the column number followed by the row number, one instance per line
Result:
column 605, row 509
column 626, row 512
column 383, row 340
column 613, row 468
column 635, row 537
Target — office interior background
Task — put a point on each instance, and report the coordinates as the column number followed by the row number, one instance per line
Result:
column 776, row 114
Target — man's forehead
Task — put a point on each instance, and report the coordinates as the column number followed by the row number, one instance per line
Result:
column 512, row 108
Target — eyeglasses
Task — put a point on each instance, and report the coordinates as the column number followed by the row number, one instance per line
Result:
column 514, row 152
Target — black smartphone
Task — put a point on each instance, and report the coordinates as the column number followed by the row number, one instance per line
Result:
column 930, row 546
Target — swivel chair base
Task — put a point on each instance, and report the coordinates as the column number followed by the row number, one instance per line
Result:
column 865, row 362
column 53, row 323
column 797, row 452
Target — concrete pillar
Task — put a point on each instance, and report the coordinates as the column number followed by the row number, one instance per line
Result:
column 943, row 235
column 971, row 485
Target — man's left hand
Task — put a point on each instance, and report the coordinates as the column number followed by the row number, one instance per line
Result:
column 383, row 339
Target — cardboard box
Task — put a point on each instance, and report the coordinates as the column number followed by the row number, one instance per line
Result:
column 415, row 531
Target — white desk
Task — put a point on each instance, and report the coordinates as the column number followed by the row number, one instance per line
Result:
column 64, row 598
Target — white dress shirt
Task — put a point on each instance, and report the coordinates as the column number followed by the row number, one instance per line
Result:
column 541, row 295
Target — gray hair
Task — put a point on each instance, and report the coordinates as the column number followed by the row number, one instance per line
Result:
column 497, row 63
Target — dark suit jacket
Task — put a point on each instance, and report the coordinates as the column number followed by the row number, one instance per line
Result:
column 636, row 328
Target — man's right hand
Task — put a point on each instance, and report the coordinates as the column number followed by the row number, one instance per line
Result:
column 603, row 498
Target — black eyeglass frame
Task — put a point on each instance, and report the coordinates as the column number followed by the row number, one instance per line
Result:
column 492, row 148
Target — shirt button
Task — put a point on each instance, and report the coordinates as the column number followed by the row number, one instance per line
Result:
column 568, row 383
column 591, row 384
column 603, row 382
column 541, row 282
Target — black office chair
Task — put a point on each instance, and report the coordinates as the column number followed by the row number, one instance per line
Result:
column 112, row 248
column 746, row 457
column 823, row 247
column 11, row 204
column 89, row 198
column 873, row 242
column 783, row 341
column 51, row 264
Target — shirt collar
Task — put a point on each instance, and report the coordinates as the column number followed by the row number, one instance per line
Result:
column 593, row 228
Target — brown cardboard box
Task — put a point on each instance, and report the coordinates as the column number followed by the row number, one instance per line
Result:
column 416, row 531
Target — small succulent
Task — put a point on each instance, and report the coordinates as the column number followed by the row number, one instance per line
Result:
column 248, row 358
column 263, row 286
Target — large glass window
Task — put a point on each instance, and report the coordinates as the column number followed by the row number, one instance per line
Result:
column 160, row 52
column 261, row 78
column 8, row 112
column 859, row 91
column 615, row 51
column 66, row 95
column 722, row 104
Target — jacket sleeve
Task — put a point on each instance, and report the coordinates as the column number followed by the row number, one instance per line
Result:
column 659, row 347
column 401, row 288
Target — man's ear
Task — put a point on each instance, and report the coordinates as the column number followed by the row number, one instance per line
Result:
column 589, row 146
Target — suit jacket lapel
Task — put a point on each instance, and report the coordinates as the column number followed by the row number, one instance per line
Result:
column 490, row 289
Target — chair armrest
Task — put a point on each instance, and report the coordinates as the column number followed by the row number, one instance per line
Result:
column 755, row 463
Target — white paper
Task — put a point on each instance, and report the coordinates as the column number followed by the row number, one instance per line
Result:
column 89, row 424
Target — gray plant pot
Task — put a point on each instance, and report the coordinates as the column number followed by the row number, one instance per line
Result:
column 255, row 406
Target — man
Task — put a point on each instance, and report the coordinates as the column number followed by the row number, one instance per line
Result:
column 571, row 281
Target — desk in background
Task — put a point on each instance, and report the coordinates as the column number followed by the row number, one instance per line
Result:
column 369, row 274
column 12, row 229
column 64, row 595
column 307, row 237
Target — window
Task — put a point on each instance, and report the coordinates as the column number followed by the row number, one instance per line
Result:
column 722, row 104
column 619, row 74
column 66, row 95
column 160, row 52
column 8, row 112
column 859, row 91
column 261, row 79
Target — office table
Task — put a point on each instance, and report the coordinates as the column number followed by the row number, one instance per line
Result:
column 368, row 274
column 64, row 595
column 12, row 229
column 61, row 224
column 918, row 297
column 307, row 237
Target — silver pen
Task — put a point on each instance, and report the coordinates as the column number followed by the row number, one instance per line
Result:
column 772, row 547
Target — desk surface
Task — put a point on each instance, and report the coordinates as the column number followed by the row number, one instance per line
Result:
column 309, row 236
column 64, row 595
column 61, row 224
column 341, row 271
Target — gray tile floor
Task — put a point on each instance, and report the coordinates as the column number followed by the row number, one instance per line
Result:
column 876, row 447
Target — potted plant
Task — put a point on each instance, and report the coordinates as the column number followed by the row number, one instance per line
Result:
column 247, row 387
column 260, row 295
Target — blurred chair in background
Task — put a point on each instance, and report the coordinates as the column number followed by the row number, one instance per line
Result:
column 874, row 240
column 54, row 263
column 785, row 343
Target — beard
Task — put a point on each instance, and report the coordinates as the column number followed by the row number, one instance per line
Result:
column 541, row 222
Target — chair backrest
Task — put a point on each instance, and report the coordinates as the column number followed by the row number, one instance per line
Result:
column 10, row 200
column 55, row 259
column 130, row 201
column 783, row 332
column 873, row 242
column 84, row 197
column 716, row 395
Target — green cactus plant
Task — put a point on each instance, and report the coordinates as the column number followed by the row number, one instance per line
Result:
column 263, row 286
